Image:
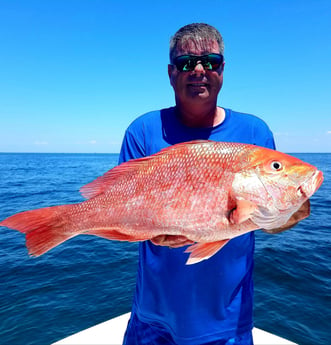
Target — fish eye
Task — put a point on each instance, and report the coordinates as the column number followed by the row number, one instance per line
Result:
column 276, row 165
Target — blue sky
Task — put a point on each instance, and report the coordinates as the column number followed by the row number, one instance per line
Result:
column 75, row 73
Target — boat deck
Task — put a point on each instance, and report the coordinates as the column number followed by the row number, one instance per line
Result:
column 111, row 332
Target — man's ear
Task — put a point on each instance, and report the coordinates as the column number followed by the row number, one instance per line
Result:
column 170, row 71
column 222, row 70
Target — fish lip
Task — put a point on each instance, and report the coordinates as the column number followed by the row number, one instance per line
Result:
column 319, row 178
column 312, row 184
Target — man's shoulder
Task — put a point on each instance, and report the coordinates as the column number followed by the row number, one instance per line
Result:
column 144, row 136
column 249, row 128
column 246, row 118
column 147, row 117
column 150, row 118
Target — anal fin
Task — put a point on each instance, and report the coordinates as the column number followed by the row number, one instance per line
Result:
column 203, row 251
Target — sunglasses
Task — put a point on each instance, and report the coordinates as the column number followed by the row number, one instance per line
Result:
column 186, row 63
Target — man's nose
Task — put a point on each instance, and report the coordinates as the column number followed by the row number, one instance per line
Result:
column 198, row 69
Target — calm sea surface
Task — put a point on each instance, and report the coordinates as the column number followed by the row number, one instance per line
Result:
column 88, row 280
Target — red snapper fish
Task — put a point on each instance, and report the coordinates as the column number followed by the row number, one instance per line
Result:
column 208, row 192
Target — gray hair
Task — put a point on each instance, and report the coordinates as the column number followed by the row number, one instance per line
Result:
column 195, row 32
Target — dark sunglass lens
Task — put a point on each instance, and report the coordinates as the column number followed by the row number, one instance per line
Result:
column 187, row 63
column 182, row 63
column 214, row 61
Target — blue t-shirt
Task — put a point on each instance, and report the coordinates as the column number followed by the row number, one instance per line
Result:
column 212, row 299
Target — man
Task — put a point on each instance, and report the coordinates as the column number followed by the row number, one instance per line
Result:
column 212, row 301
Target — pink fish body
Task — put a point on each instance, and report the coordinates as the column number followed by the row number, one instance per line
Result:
column 208, row 192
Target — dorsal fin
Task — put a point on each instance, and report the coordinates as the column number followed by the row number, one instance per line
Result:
column 100, row 184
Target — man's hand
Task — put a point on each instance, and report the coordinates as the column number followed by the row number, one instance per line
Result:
column 174, row 241
column 302, row 213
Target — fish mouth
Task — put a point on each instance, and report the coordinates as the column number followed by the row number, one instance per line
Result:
column 311, row 185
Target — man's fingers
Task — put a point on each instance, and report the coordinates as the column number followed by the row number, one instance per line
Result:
column 173, row 241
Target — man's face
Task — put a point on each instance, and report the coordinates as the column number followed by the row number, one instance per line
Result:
column 199, row 85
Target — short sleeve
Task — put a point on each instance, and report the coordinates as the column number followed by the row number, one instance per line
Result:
column 132, row 146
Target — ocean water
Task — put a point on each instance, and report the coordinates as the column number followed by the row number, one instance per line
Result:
column 88, row 280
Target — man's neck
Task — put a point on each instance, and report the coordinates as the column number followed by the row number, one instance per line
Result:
column 203, row 117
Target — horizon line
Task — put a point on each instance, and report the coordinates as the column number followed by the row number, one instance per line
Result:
column 116, row 153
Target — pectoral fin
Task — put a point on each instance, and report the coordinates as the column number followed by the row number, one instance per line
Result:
column 242, row 212
column 203, row 251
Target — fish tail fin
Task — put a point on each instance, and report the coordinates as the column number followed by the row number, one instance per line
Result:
column 43, row 228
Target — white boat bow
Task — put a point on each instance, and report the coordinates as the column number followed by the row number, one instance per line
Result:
column 111, row 332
